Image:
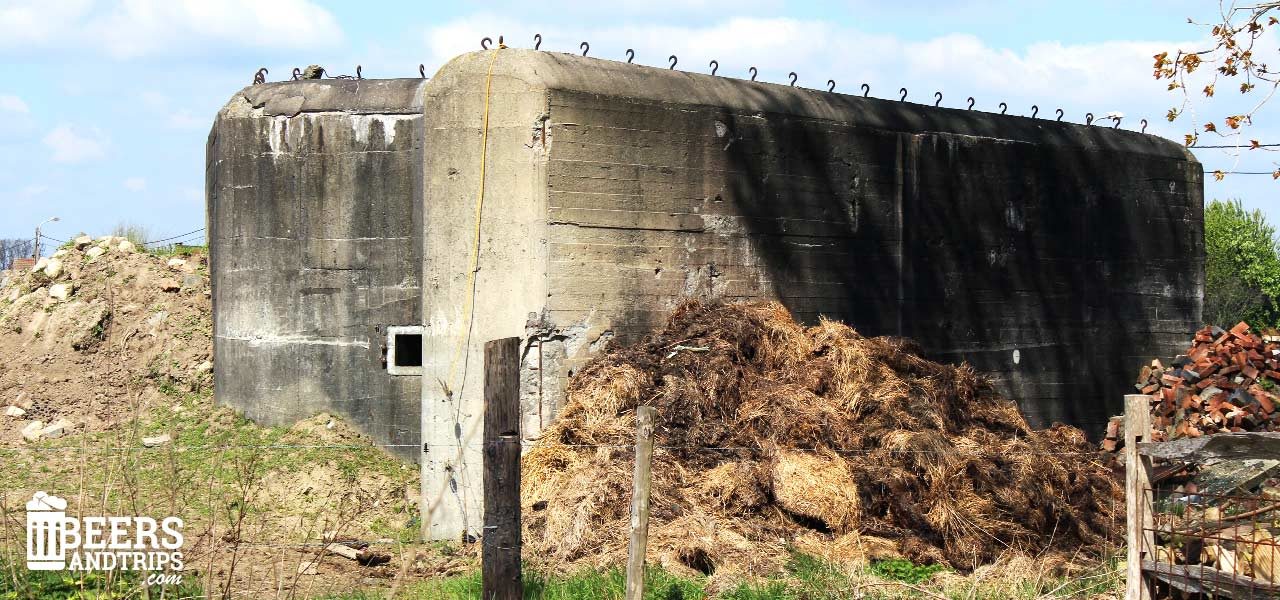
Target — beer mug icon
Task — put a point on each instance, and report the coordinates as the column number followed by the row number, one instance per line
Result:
column 46, row 521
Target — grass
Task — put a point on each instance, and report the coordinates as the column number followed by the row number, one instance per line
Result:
column 805, row 578
column 18, row 583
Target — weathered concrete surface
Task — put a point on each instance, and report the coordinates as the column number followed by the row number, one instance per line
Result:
column 313, row 206
column 1054, row 256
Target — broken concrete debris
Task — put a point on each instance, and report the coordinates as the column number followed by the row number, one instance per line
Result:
column 14, row 411
column 60, row 291
column 31, row 432
column 156, row 440
column 58, row 429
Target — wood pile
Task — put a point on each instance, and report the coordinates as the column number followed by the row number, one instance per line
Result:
column 1226, row 381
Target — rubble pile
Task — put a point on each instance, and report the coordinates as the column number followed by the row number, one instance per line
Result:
column 94, row 331
column 772, row 437
column 1226, row 381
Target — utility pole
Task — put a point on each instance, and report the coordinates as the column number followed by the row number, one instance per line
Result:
column 36, row 247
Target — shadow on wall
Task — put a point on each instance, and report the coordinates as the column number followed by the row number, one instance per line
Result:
column 1078, row 251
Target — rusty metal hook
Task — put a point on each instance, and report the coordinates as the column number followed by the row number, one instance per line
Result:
column 673, row 60
column 1004, row 108
column 971, row 102
column 1035, row 110
column 715, row 66
column 831, row 85
column 484, row 43
column 1117, row 123
column 1088, row 118
column 297, row 73
column 1144, row 126
column 631, row 55
column 1059, row 111
column 260, row 76
column 422, row 70
column 902, row 91
column 866, row 89
column 585, row 47
column 359, row 75
column 753, row 73
column 938, row 98
column 793, row 77
column 537, row 41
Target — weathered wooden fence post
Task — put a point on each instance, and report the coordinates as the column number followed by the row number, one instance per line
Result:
column 1139, row 537
column 639, row 540
column 500, row 546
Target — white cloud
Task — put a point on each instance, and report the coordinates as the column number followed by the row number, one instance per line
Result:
column 25, row 23
column 71, row 147
column 137, row 28
column 135, row 184
column 11, row 103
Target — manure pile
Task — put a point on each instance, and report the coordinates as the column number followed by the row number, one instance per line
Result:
column 773, row 436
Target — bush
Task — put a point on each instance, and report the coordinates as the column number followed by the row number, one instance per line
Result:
column 138, row 234
column 1242, row 266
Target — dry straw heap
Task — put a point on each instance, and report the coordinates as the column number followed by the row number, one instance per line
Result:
column 773, row 436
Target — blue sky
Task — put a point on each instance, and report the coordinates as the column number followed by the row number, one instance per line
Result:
column 105, row 106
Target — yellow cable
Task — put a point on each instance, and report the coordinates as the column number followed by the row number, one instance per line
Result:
column 464, row 339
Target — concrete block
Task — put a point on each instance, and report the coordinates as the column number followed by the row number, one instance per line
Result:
column 155, row 440
column 53, row 268
column 32, row 431
column 60, row 291
column 58, row 429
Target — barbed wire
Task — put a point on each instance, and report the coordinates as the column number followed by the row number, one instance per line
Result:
column 480, row 445
column 174, row 237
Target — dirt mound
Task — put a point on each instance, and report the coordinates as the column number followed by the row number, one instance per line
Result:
column 774, row 436
column 94, row 332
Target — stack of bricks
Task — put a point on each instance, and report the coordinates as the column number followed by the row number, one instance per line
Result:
column 1227, row 381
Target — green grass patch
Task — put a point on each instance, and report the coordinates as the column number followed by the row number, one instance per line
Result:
column 17, row 583
column 900, row 569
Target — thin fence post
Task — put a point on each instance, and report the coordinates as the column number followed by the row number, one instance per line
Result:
column 639, row 539
column 1137, row 484
column 500, row 546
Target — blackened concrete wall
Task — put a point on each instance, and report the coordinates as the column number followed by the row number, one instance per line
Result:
column 1054, row 256
column 313, row 198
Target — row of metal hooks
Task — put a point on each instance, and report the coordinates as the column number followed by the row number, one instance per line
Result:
column 673, row 60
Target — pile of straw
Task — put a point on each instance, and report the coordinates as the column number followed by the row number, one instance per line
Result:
column 779, row 437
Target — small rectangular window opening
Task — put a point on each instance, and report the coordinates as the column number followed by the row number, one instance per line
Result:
column 408, row 350
column 404, row 350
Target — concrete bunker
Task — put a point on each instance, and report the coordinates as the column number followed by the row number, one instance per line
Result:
column 1054, row 257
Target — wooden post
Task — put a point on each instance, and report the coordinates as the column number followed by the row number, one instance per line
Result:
column 500, row 546
column 1137, row 482
column 639, row 540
